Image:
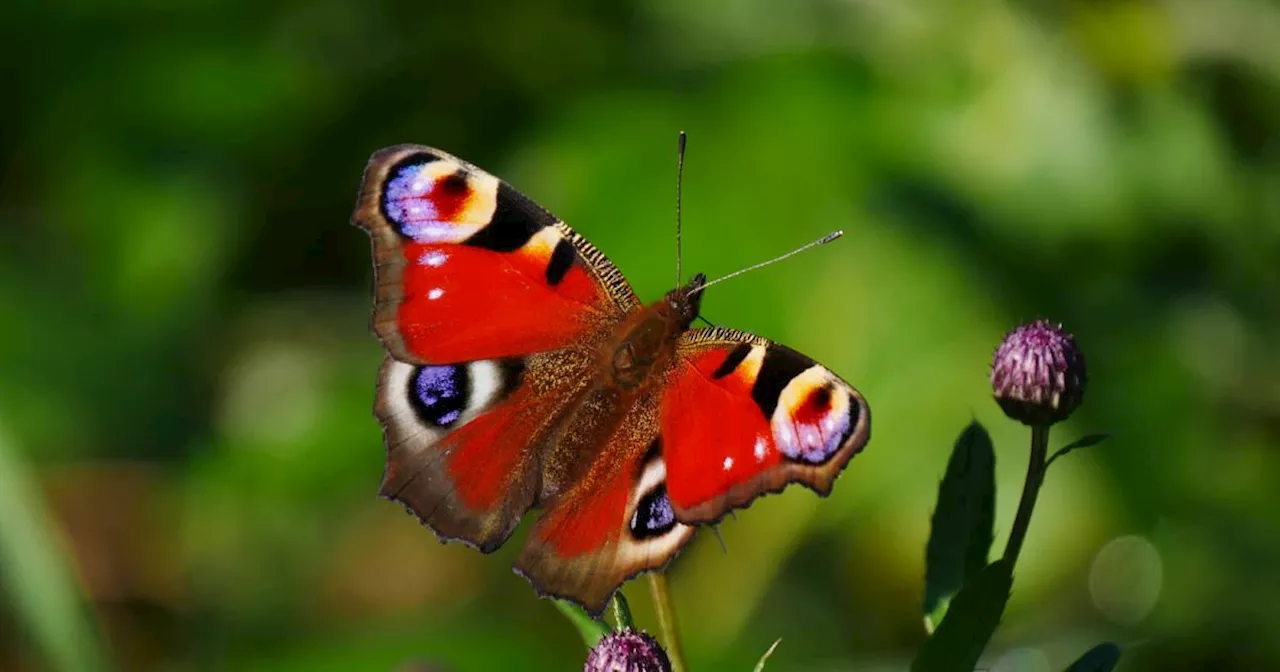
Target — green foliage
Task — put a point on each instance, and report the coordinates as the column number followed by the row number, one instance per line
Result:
column 973, row 616
column 1082, row 442
column 38, row 582
column 181, row 297
column 1101, row 658
column 961, row 529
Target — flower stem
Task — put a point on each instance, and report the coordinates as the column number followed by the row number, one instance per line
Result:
column 666, row 619
column 1030, row 491
column 621, row 612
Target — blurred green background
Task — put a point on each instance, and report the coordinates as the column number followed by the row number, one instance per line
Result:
column 188, row 459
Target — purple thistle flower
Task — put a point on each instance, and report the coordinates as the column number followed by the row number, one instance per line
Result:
column 1038, row 374
column 627, row 651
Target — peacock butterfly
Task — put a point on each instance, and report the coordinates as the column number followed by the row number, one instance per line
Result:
column 522, row 371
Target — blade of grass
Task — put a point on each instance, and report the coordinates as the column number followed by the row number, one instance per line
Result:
column 37, row 576
column 763, row 659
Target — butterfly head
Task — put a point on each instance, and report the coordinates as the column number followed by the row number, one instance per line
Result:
column 686, row 301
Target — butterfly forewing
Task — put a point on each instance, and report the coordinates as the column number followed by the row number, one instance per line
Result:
column 743, row 416
column 466, row 268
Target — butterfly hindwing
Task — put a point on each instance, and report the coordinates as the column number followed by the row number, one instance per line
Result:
column 742, row 416
column 469, row 269
column 612, row 522
column 435, row 419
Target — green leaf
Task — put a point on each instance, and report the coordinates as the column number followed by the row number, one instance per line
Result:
column 760, row 665
column 37, row 576
column 962, row 522
column 1083, row 442
column 1101, row 658
column 621, row 612
column 939, row 612
column 592, row 630
column 972, row 619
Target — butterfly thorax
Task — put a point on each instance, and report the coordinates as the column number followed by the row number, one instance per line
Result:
column 647, row 341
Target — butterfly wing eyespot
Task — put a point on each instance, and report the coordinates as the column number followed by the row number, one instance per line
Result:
column 652, row 515
column 428, row 198
column 814, row 418
column 742, row 417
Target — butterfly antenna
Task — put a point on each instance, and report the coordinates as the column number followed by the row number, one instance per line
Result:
column 821, row 241
column 680, row 144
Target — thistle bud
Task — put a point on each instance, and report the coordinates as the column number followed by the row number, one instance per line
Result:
column 1037, row 374
column 627, row 651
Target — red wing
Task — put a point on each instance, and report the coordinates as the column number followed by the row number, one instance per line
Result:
column 613, row 522
column 469, row 269
column 742, row 417
column 488, row 307
column 463, row 440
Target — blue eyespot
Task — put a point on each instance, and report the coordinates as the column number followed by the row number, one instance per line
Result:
column 653, row 515
column 439, row 393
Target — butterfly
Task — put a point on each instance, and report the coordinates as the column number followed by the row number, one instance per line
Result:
column 522, row 371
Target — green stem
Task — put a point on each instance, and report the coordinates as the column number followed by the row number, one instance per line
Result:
column 666, row 619
column 1030, row 491
column 621, row 612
